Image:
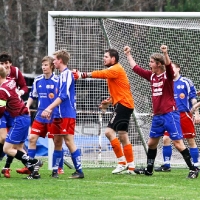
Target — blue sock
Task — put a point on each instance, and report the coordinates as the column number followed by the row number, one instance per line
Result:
column 31, row 153
column 56, row 160
column 194, row 152
column 167, row 153
column 61, row 160
column 76, row 158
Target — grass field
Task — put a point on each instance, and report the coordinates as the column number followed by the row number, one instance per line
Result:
column 100, row 184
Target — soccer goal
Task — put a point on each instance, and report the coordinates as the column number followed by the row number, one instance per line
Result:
column 86, row 35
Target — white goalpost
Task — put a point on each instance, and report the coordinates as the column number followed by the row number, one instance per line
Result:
column 86, row 35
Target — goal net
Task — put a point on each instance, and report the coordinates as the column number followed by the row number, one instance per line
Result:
column 86, row 38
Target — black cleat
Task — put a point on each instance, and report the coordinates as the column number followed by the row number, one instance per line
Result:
column 162, row 168
column 54, row 175
column 193, row 174
column 36, row 175
column 143, row 171
column 76, row 175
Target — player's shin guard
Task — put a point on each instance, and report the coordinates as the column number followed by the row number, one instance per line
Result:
column 186, row 156
column 151, row 155
column 76, row 158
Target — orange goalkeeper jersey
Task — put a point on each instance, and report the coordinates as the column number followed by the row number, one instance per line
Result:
column 118, row 84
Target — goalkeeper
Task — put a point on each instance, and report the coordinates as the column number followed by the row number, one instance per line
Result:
column 122, row 100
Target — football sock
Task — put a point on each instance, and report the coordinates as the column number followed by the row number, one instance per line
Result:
column 194, row 152
column 56, row 159
column 117, row 148
column 2, row 155
column 128, row 153
column 32, row 152
column 151, row 155
column 9, row 160
column 61, row 160
column 76, row 159
column 167, row 153
column 186, row 155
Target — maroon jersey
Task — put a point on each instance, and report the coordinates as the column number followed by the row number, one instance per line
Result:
column 162, row 87
column 14, row 104
column 17, row 76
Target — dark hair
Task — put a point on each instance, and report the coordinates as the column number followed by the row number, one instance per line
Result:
column 113, row 53
column 4, row 56
column 177, row 66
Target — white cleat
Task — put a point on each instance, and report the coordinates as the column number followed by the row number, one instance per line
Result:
column 119, row 169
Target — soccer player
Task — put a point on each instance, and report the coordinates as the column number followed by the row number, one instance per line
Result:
column 122, row 100
column 185, row 96
column 64, row 114
column 12, row 73
column 166, row 117
column 11, row 103
column 43, row 89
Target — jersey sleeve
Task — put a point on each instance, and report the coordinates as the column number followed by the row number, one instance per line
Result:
column 111, row 72
column 169, row 71
column 3, row 100
column 146, row 74
column 21, row 82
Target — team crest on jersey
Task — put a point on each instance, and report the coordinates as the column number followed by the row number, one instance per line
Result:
column 182, row 95
column 51, row 95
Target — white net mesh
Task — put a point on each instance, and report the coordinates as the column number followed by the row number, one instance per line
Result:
column 86, row 40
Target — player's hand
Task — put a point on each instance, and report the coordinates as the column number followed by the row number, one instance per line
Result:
column 77, row 74
column 198, row 93
column 105, row 104
column 46, row 114
column 163, row 48
column 127, row 50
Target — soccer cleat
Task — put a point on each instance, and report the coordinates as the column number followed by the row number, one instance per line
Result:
column 35, row 175
column 162, row 168
column 76, row 175
column 6, row 172
column 37, row 166
column 119, row 169
column 54, row 175
column 143, row 171
column 60, row 171
column 24, row 170
column 193, row 174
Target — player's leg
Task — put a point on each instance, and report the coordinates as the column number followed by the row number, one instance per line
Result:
column 75, row 156
column 61, row 163
column 189, row 133
column 167, row 153
column 37, row 130
column 3, row 133
column 174, row 129
column 157, row 130
column 19, row 132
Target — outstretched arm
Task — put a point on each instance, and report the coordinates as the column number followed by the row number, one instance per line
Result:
column 127, row 52
column 164, row 49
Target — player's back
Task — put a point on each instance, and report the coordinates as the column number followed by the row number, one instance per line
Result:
column 14, row 104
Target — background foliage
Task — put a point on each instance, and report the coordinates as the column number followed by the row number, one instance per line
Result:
column 24, row 23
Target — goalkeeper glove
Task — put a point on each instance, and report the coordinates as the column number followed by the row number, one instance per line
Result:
column 77, row 74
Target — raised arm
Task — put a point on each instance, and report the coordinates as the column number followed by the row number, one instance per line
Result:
column 164, row 49
column 127, row 52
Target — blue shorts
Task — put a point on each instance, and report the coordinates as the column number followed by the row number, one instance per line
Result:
column 169, row 122
column 6, row 121
column 19, row 131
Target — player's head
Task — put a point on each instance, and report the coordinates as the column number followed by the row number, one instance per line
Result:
column 6, row 61
column 111, row 57
column 2, row 72
column 176, row 68
column 157, row 63
column 47, row 65
column 61, row 57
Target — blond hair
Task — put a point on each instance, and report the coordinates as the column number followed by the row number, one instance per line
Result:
column 2, row 71
column 63, row 55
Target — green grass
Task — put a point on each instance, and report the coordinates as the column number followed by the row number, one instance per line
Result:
column 100, row 184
